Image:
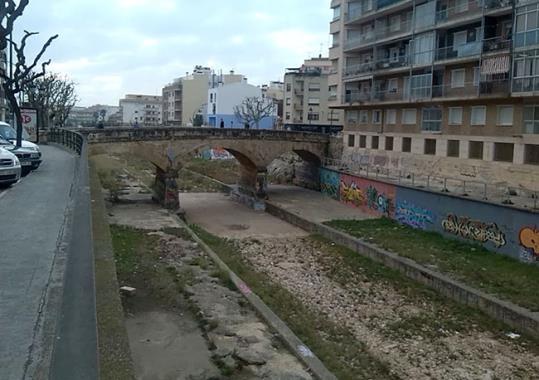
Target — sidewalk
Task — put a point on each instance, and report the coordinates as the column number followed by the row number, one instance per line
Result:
column 33, row 227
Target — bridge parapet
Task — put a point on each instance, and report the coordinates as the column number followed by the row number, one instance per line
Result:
column 111, row 135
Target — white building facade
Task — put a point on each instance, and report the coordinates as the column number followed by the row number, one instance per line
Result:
column 142, row 110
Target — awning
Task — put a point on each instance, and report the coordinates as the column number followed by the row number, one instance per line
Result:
column 495, row 65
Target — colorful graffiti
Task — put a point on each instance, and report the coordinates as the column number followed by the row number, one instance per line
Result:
column 529, row 239
column 413, row 216
column 371, row 197
column 378, row 201
column 351, row 194
column 474, row 230
column 329, row 183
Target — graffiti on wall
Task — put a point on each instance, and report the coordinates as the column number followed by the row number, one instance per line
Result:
column 378, row 201
column 413, row 216
column 474, row 230
column 529, row 240
column 352, row 194
column 329, row 183
column 371, row 197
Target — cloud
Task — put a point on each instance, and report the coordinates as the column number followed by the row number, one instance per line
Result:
column 114, row 47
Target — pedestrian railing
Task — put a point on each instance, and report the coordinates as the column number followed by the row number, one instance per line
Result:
column 67, row 138
column 504, row 194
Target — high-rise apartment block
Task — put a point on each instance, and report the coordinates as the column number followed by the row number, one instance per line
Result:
column 307, row 95
column 453, row 79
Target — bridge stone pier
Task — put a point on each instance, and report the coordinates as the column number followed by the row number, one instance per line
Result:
column 169, row 148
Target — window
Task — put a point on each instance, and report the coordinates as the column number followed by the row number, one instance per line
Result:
column 314, row 87
column 375, row 142
column 409, row 116
column 393, row 85
column 526, row 25
column 314, row 101
column 288, row 116
column 504, row 152
column 453, row 148
column 389, row 144
column 391, row 117
column 288, row 87
column 479, row 115
column 461, row 6
column 531, row 154
column 430, row 147
column 457, row 78
column 526, row 71
column 531, row 119
column 423, row 45
column 288, row 101
column 505, row 115
column 364, row 117
column 351, row 117
column 362, row 141
column 351, row 141
column 432, row 119
column 407, row 144
column 336, row 13
column 313, row 116
column 475, row 150
column 476, row 76
column 395, row 23
column 376, row 117
column 459, row 39
column 455, row 116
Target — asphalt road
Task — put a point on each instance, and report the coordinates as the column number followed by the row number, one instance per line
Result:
column 35, row 220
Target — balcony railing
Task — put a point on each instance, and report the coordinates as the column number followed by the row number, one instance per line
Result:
column 529, row 84
column 393, row 62
column 455, row 12
column 469, row 89
column 378, row 34
column 496, row 44
column 354, row 70
column 465, row 50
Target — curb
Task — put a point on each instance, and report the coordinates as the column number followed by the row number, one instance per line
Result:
column 507, row 312
column 298, row 348
column 114, row 353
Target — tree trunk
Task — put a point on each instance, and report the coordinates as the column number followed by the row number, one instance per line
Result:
column 11, row 98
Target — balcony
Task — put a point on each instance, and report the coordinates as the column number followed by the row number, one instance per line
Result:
column 496, row 87
column 496, row 44
column 393, row 62
column 528, row 84
column 461, row 51
column 356, row 70
column 456, row 13
column 378, row 35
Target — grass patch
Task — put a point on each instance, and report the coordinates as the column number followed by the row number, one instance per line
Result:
column 190, row 182
column 226, row 171
column 138, row 265
column 334, row 345
column 476, row 266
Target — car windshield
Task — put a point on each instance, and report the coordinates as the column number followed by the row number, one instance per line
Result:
column 9, row 133
column 4, row 142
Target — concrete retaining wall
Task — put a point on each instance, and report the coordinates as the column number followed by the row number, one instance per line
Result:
column 501, row 229
column 515, row 316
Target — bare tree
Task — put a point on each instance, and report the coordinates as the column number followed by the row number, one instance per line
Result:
column 54, row 97
column 253, row 110
column 23, row 73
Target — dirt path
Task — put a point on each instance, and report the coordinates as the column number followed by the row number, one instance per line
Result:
column 394, row 325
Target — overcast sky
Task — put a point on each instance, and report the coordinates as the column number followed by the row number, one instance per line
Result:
column 114, row 47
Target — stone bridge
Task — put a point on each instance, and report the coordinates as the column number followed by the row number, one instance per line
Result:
column 169, row 148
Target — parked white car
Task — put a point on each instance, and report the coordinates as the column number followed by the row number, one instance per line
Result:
column 8, row 133
column 10, row 168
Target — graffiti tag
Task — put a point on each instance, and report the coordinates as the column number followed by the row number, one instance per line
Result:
column 529, row 239
column 474, row 230
column 378, row 201
column 352, row 194
column 329, row 183
column 413, row 216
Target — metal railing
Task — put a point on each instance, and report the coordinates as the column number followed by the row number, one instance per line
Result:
column 504, row 194
column 67, row 138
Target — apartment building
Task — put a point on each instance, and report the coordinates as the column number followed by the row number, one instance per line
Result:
column 455, row 79
column 225, row 96
column 185, row 99
column 141, row 109
column 307, row 95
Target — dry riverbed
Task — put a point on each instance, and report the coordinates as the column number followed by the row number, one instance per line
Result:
column 418, row 335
